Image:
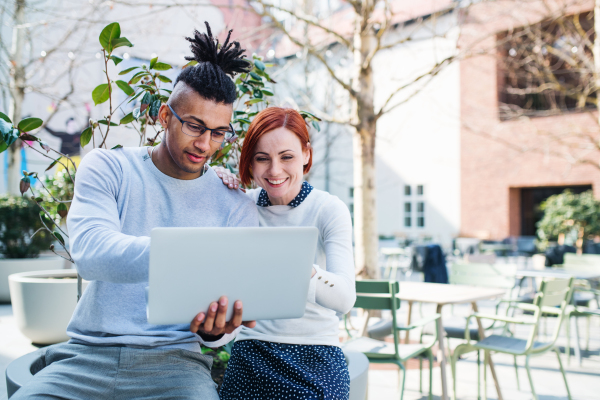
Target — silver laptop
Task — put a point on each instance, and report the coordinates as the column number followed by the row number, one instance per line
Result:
column 268, row 269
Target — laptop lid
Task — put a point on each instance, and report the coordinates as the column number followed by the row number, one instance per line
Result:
column 268, row 269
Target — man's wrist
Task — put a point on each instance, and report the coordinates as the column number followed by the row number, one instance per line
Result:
column 210, row 338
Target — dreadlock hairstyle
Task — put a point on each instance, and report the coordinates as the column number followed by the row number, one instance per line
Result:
column 209, row 77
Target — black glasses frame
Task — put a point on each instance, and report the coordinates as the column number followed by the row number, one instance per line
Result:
column 232, row 135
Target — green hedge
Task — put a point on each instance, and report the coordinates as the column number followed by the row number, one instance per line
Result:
column 19, row 219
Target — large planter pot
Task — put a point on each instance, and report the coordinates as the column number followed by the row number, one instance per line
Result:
column 43, row 303
column 9, row 266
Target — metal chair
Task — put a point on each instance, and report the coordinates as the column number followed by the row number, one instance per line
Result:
column 381, row 295
column 395, row 259
column 552, row 298
column 486, row 275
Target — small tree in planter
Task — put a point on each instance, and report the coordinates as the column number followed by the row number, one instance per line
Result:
column 568, row 213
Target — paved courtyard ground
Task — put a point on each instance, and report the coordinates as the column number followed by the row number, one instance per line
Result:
column 584, row 381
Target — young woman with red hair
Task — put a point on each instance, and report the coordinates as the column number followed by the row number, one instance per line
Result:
column 294, row 358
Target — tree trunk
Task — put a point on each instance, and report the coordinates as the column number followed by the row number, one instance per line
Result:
column 17, row 89
column 363, row 115
column 597, row 51
column 579, row 242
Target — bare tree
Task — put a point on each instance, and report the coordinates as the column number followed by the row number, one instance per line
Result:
column 24, row 68
column 364, row 39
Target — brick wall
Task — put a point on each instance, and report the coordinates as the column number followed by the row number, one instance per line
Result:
column 498, row 157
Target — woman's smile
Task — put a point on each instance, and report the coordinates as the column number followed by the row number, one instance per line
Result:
column 276, row 182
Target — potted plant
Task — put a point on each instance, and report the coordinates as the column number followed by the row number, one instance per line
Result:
column 43, row 303
column 21, row 241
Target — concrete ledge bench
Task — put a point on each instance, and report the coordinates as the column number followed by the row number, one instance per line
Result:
column 21, row 371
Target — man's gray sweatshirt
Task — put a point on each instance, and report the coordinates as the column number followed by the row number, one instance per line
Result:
column 120, row 196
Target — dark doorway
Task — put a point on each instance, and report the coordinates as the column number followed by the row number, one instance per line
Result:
column 532, row 198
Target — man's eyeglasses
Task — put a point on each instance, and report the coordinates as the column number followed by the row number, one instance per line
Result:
column 195, row 129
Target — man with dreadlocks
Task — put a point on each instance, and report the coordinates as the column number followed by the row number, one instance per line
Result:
column 120, row 195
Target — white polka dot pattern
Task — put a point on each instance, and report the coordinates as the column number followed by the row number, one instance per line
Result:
column 263, row 198
column 267, row 370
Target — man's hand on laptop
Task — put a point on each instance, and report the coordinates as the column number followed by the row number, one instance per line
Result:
column 213, row 323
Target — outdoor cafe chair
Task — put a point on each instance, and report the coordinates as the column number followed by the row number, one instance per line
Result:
column 552, row 298
column 483, row 275
column 381, row 295
column 583, row 294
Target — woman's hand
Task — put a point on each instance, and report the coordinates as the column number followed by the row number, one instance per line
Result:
column 229, row 179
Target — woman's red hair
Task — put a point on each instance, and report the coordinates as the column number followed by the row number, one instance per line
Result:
column 265, row 121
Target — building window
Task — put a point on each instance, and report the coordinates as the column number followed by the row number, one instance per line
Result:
column 543, row 67
column 421, row 214
column 407, row 190
column 407, row 214
column 420, row 190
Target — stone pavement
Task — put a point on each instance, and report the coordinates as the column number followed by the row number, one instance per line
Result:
column 584, row 381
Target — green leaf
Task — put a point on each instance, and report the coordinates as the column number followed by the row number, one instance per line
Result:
column 306, row 114
column 127, row 119
column 139, row 75
column 161, row 66
column 267, row 92
column 259, row 64
column 136, row 113
column 167, row 90
column 116, row 59
column 255, row 76
column 59, row 237
column 29, row 124
column 153, row 62
column 148, row 98
column 43, row 145
column 116, row 147
column 243, row 120
column 256, row 83
column 253, row 101
column 163, row 78
column 190, row 64
column 57, row 160
column 105, row 122
column 136, row 96
column 5, row 118
column 31, row 138
column 154, row 107
column 108, row 34
column 120, row 42
column 243, row 88
column 315, row 125
column 258, row 94
column 101, row 93
column 25, row 184
column 9, row 134
column 125, row 87
column 3, row 145
column 85, row 138
column 128, row 70
column 62, row 210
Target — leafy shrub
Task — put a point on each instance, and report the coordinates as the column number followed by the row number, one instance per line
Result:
column 19, row 220
column 569, row 214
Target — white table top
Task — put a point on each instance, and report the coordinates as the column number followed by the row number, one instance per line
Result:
column 557, row 273
column 439, row 293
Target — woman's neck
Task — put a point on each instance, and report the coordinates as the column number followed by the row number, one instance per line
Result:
column 285, row 200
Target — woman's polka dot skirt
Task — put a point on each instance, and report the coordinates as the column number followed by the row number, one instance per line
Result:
column 266, row 370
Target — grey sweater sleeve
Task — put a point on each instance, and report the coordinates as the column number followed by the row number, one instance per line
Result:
column 101, row 252
column 334, row 288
